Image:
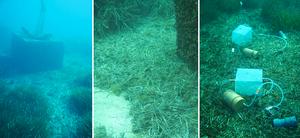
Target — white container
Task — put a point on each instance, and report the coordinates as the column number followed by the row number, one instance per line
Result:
column 247, row 81
column 242, row 35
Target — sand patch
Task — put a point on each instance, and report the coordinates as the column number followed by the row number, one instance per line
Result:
column 112, row 112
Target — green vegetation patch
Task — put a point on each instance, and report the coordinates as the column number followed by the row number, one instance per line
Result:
column 24, row 112
column 211, row 9
column 79, row 103
column 218, row 63
column 143, row 66
column 113, row 16
column 282, row 15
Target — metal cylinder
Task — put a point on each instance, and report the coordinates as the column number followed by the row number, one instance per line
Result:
column 285, row 122
column 250, row 52
column 234, row 101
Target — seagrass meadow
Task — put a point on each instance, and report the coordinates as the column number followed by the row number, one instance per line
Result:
column 144, row 83
column 220, row 58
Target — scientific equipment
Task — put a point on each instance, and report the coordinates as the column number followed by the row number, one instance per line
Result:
column 250, row 52
column 30, row 55
column 285, row 122
column 235, row 101
column 242, row 35
column 247, row 81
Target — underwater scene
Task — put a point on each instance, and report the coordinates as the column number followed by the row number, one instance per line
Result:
column 249, row 68
column 45, row 68
column 145, row 69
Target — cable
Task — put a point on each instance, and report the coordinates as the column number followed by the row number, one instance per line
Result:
column 258, row 90
column 224, row 82
column 253, row 100
column 285, row 41
column 273, row 84
column 282, row 93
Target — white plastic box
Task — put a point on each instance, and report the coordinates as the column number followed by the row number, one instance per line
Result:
column 242, row 35
column 247, row 81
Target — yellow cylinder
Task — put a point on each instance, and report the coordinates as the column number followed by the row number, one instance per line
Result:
column 234, row 101
column 250, row 52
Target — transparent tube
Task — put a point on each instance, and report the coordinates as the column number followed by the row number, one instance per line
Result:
column 273, row 84
column 284, row 40
column 253, row 100
column 224, row 82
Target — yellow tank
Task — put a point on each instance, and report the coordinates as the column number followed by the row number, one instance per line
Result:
column 234, row 101
column 250, row 52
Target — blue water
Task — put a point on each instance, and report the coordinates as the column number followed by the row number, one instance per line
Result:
column 45, row 74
